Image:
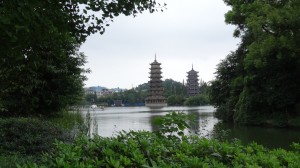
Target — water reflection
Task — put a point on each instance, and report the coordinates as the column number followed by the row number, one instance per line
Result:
column 114, row 119
column 111, row 120
column 266, row 136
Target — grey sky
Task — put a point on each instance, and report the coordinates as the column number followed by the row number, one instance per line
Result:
column 188, row 32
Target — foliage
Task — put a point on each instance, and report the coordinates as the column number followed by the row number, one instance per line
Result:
column 173, row 124
column 172, row 87
column 43, row 81
column 26, row 139
column 295, row 121
column 129, row 97
column 90, row 98
column 41, row 69
column 175, row 100
column 259, row 81
column 29, row 136
column 68, row 119
column 202, row 98
column 147, row 149
column 198, row 100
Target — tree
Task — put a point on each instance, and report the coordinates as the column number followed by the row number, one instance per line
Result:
column 258, row 83
column 40, row 66
column 175, row 100
column 172, row 87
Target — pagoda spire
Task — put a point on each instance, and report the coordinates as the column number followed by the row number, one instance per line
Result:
column 155, row 57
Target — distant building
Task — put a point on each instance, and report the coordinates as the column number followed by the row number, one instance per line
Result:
column 96, row 90
column 89, row 91
column 100, row 91
column 192, row 84
column 155, row 98
column 106, row 92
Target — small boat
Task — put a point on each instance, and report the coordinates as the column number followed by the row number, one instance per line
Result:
column 93, row 106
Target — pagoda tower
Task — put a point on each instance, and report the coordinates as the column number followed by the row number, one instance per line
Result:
column 155, row 97
column 192, row 84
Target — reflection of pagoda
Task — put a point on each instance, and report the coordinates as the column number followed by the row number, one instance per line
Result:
column 155, row 98
column 192, row 85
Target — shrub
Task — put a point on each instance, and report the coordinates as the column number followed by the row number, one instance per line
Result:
column 149, row 149
column 29, row 136
column 146, row 149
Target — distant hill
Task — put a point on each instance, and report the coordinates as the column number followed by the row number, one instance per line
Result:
column 100, row 88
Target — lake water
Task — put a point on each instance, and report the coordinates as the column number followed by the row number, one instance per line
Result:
column 111, row 120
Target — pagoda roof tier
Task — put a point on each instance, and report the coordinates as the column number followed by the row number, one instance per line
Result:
column 154, row 73
column 155, row 80
column 155, row 63
column 196, row 75
column 192, row 71
column 155, row 76
column 156, row 84
column 156, row 89
column 155, row 67
column 156, row 70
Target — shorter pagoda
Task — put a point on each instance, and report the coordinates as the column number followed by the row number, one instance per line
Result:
column 155, row 98
column 192, row 84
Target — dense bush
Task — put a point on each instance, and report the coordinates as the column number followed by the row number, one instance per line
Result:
column 175, row 100
column 146, row 149
column 198, row 100
column 29, row 136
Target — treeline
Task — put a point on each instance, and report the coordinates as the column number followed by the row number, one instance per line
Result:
column 174, row 91
column 259, row 82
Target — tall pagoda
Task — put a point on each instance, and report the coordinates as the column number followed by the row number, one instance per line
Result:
column 155, row 98
column 192, row 84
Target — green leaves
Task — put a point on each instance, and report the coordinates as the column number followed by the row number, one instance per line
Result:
column 40, row 66
column 160, row 151
column 173, row 124
column 259, row 78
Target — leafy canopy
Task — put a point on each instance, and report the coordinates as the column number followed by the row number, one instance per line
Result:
column 258, row 83
column 40, row 65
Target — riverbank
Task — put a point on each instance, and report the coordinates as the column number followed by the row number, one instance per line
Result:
column 135, row 148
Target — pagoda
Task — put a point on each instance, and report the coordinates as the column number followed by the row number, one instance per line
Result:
column 155, row 97
column 192, row 84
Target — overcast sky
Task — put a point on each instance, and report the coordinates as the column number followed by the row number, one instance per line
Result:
column 188, row 32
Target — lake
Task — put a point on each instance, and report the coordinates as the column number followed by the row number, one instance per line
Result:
column 110, row 120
